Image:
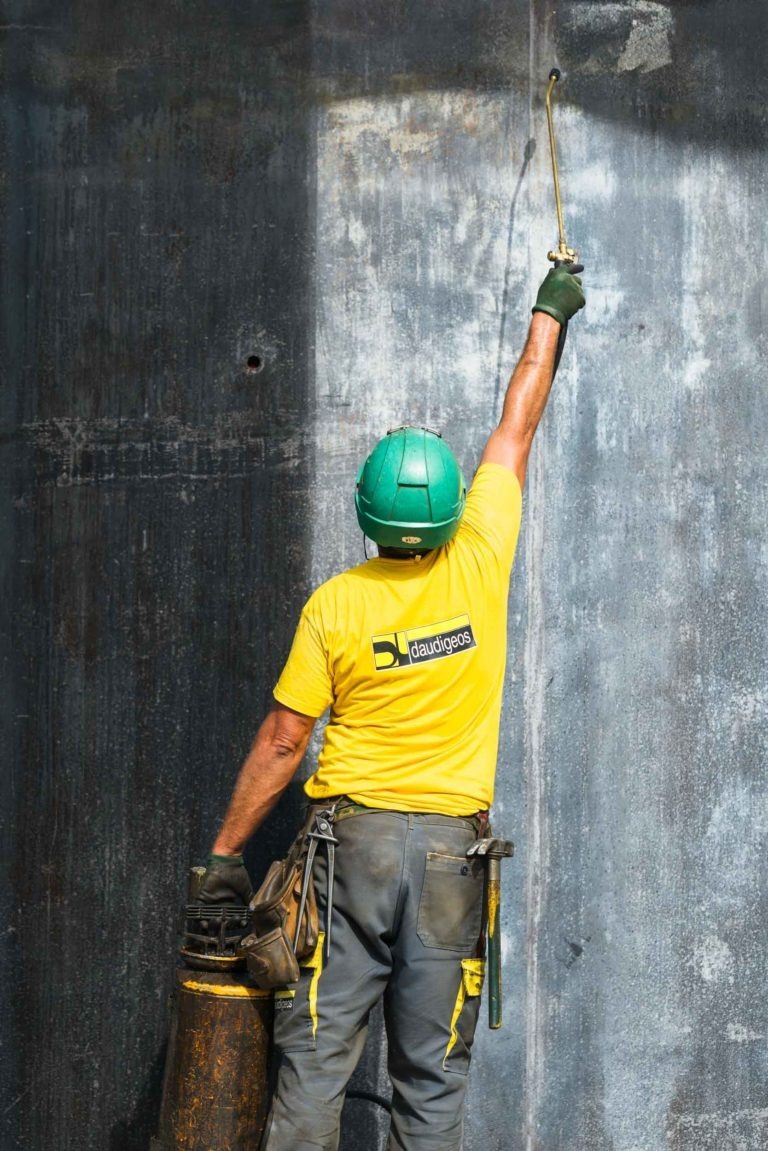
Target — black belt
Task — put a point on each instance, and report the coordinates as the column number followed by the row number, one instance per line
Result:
column 343, row 807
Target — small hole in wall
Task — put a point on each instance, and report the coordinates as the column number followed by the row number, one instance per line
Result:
column 254, row 364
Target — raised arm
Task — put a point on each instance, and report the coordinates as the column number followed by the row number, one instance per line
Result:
column 559, row 298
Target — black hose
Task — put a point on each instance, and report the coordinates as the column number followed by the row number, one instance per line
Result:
column 530, row 148
column 574, row 269
column 370, row 1097
column 560, row 347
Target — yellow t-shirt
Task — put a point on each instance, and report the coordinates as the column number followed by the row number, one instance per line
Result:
column 409, row 655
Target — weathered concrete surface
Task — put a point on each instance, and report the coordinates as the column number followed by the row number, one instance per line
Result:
column 350, row 192
column 156, row 233
column 635, row 734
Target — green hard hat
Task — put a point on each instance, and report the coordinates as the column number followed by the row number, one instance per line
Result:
column 410, row 491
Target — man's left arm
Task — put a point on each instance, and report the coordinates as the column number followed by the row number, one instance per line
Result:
column 559, row 298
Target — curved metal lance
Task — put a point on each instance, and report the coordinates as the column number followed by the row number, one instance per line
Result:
column 564, row 254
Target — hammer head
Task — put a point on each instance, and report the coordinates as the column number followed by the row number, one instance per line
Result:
column 492, row 848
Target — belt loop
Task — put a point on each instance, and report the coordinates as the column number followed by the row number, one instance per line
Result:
column 483, row 824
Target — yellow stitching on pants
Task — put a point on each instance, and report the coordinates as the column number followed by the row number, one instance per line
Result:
column 472, row 974
column 315, row 963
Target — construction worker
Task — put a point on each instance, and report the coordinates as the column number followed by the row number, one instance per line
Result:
column 408, row 651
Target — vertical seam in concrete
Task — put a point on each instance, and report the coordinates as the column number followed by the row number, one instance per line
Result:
column 536, row 832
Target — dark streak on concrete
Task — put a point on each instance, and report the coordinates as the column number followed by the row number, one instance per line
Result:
column 156, row 232
column 703, row 79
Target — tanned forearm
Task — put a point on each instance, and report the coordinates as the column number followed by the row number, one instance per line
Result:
column 527, row 394
column 271, row 764
column 529, row 386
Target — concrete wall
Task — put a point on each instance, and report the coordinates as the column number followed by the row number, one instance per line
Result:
column 361, row 196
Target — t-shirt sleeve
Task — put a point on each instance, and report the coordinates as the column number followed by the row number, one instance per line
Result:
column 493, row 511
column 305, row 682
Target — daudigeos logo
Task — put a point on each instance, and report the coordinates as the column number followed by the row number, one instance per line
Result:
column 421, row 644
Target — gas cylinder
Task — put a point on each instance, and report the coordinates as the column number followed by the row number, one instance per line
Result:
column 215, row 1092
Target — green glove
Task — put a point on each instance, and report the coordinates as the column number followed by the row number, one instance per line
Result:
column 560, row 294
column 225, row 881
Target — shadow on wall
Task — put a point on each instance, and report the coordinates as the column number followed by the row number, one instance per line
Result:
column 134, row 1133
column 158, row 491
column 689, row 68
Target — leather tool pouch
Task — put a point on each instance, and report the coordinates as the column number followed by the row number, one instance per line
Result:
column 268, row 949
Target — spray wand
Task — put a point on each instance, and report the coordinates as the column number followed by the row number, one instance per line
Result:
column 564, row 254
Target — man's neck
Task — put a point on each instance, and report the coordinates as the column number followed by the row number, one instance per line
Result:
column 403, row 553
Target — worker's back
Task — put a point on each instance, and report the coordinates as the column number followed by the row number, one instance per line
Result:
column 409, row 654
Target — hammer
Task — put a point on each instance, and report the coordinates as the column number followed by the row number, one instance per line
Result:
column 493, row 851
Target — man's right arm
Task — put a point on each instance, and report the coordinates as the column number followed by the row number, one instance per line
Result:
column 270, row 766
column 560, row 297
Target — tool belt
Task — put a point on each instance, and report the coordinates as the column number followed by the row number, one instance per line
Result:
column 344, row 807
column 284, row 918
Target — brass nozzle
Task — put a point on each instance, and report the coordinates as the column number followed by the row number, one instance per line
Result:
column 564, row 254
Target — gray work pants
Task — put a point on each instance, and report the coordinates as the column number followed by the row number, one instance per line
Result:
column 406, row 920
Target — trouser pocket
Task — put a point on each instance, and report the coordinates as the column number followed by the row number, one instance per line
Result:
column 464, row 1019
column 451, row 903
column 295, row 1026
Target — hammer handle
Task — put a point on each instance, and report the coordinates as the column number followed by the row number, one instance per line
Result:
column 493, row 898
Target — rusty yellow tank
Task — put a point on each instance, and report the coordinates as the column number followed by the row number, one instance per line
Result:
column 215, row 1090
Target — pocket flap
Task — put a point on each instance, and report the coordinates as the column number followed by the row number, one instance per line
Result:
column 473, row 975
column 315, row 960
column 451, row 903
column 278, row 885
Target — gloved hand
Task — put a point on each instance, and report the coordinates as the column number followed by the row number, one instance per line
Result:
column 225, row 881
column 560, row 294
